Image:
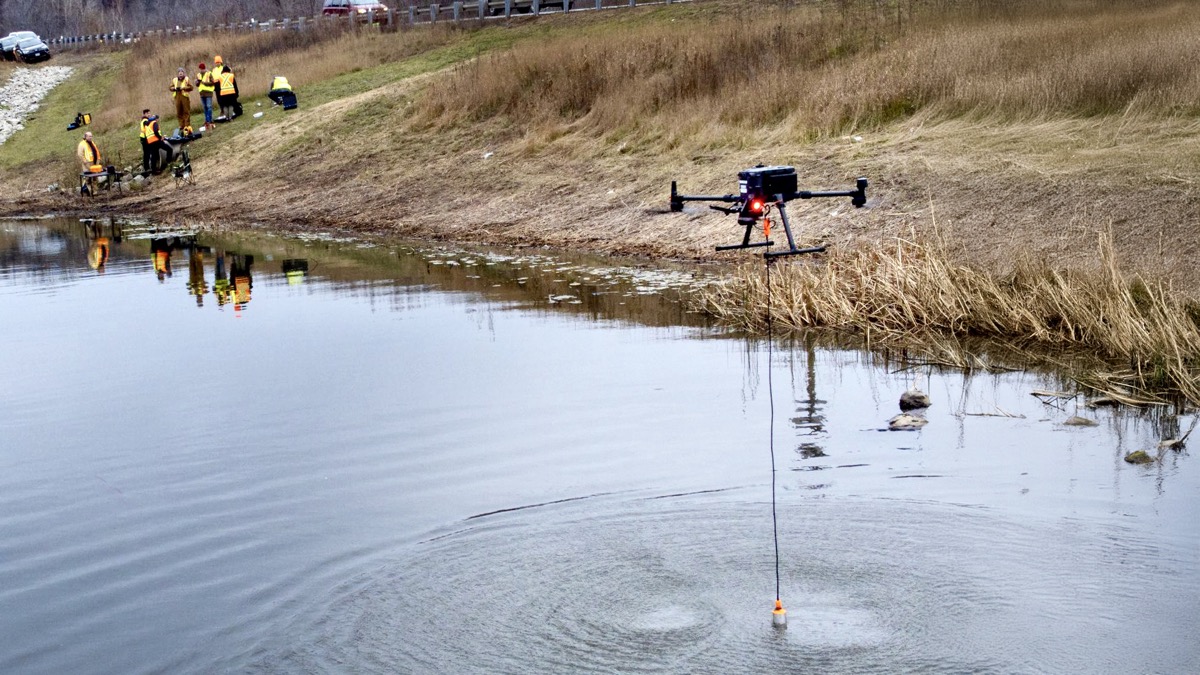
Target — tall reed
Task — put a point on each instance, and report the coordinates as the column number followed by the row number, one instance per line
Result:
column 909, row 290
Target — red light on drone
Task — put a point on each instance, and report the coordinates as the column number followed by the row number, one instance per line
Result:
column 756, row 206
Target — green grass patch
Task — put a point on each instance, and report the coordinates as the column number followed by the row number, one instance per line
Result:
column 45, row 136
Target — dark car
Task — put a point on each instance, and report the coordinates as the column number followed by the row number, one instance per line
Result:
column 32, row 50
column 344, row 7
column 8, row 44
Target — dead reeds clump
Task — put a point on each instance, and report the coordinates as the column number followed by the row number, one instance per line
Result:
column 908, row 290
column 787, row 70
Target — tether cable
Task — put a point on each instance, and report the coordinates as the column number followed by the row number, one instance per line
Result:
column 779, row 615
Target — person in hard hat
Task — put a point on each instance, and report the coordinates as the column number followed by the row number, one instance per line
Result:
column 206, row 84
column 281, row 93
column 180, row 87
column 227, row 93
column 218, row 66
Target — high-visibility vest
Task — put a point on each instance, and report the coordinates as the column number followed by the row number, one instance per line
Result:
column 280, row 84
column 205, row 83
column 178, row 86
column 152, row 135
column 227, row 87
column 90, row 152
column 217, row 70
column 143, row 129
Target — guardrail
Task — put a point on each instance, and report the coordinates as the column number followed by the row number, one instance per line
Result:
column 455, row 11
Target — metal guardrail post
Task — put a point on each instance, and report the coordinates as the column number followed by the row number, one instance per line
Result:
column 433, row 12
column 391, row 20
column 483, row 8
column 537, row 7
column 599, row 4
column 457, row 10
column 370, row 16
column 412, row 15
column 633, row 3
column 508, row 9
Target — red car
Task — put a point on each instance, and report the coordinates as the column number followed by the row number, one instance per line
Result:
column 344, row 7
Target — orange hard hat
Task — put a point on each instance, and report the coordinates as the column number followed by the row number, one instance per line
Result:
column 217, row 59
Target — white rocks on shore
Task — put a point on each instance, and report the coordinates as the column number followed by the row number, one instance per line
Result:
column 21, row 94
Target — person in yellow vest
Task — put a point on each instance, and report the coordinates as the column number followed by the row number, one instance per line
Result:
column 207, row 86
column 227, row 93
column 88, row 154
column 218, row 67
column 281, row 93
column 89, row 162
column 151, row 142
column 180, row 86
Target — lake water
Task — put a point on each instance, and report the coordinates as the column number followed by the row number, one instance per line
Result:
column 233, row 452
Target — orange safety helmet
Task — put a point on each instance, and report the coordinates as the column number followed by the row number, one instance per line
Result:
column 217, row 60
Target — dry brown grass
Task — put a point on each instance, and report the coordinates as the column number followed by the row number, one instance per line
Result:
column 312, row 56
column 907, row 290
column 799, row 70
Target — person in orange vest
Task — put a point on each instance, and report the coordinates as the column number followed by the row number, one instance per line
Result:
column 180, row 86
column 227, row 94
column 151, row 142
column 206, row 84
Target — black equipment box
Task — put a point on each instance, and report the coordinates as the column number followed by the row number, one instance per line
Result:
column 768, row 181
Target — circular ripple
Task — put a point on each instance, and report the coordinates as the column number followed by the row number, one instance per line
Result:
column 687, row 584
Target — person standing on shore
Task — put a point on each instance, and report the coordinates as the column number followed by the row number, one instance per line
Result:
column 88, row 154
column 227, row 93
column 207, row 86
column 151, row 142
column 180, row 86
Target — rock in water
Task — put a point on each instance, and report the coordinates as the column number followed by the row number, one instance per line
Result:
column 913, row 399
column 1077, row 421
column 906, row 422
column 1138, row 457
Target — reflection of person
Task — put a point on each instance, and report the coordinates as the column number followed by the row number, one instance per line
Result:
column 239, row 269
column 98, row 254
column 221, row 280
column 197, row 286
column 160, row 255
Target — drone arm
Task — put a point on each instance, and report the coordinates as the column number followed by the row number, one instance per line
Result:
column 858, row 196
column 677, row 199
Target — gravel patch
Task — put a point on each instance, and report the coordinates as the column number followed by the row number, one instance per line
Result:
column 21, row 95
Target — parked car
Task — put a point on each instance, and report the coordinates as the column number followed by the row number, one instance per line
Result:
column 8, row 44
column 32, row 50
column 344, row 7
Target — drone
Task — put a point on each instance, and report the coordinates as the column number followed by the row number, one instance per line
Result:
column 762, row 188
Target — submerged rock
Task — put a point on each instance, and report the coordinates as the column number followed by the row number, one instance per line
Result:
column 1139, row 457
column 1172, row 443
column 906, row 422
column 914, row 399
column 1077, row 421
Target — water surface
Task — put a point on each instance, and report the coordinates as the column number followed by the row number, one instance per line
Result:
column 239, row 453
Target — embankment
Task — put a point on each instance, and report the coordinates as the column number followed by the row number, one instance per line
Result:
column 1014, row 136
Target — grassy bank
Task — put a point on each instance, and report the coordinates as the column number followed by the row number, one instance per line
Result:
column 1011, row 134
